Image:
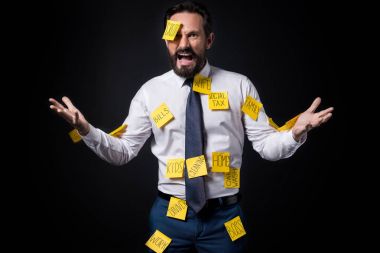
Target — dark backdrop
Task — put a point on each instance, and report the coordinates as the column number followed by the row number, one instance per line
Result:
column 100, row 52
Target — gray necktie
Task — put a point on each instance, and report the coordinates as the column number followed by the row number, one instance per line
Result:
column 195, row 187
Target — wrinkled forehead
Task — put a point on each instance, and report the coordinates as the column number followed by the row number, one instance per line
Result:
column 190, row 21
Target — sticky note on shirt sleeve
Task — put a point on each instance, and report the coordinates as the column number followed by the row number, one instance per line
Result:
column 174, row 168
column 218, row 101
column 177, row 208
column 118, row 131
column 235, row 228
column 171, row 29
column 252, row 107
column 232, row 178
column 273, row 124
column 162, row 115
column 196, row 166
column 158, row 242
column 220, row 162
column 289, row 124
column 202, row 84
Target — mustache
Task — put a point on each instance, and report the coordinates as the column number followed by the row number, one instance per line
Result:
column 186, row 50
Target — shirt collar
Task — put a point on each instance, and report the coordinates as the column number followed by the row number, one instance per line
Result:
column 204, row 72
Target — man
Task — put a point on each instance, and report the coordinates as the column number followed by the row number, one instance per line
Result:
column 188, row 129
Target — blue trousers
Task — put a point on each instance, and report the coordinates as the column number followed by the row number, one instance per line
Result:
column 203, row 232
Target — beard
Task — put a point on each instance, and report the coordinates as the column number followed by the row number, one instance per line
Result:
column 187, row 71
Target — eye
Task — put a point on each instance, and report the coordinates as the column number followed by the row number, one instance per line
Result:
column 193, row 35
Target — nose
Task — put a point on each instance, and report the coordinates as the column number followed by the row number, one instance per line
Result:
column 184, row 42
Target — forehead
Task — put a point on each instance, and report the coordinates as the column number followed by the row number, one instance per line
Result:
column 189, row 21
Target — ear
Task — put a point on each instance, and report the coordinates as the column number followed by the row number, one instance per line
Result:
column 166, row 43
column 210, row 40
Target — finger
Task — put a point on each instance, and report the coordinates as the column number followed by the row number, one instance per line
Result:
column 325, row 112
column 314, row 105
column 326, row 118
column 56, row 103
column 76, row 118
column 68, row 103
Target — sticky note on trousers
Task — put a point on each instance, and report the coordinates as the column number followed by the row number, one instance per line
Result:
column 177, row 208
column 235, row 228
column 158, row 242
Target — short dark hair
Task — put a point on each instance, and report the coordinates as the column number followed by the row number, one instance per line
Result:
column 192, row 7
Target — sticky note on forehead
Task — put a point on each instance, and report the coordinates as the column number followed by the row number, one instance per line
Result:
column 158, row 242
column 202, row 84
column 252, row 107
column 171, row 29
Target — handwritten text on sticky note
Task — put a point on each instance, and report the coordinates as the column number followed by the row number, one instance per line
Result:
column 177, row 208
column 174, row 168
column 158, row 242
column 202, row 84
column 220, row 162
column 196, row 166
column 218, row 101
column 232, row 178
column 252, row 107
column 235, row 228
column 162, row 115
column 171, row 29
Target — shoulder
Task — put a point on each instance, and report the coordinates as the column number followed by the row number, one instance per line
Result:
column 158, row 80
column 230, row 76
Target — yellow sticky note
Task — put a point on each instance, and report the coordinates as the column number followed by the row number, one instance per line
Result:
column 202, row 84
column 235, row 228
column 75, row 136
column 273, row 124
column 118, row 131
column 218, row 100
column 177, row 208
column 232, row 178
column 220, row 162
column 174, row 168
column 289, row 124
column 252, row 107
column 171, row 29
column 158, row 242
column 196, row 166
column 162, row 115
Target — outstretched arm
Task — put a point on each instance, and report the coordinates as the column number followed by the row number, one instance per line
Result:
column 71, row 114
column 310, row 119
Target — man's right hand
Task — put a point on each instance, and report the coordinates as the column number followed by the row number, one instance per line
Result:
column 71, row 114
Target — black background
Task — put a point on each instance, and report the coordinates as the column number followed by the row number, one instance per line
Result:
column 100, row 52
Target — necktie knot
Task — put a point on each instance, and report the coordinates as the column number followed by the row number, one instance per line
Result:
column 189, row 82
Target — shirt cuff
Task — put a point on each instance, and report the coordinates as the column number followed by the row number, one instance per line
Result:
column 92, row 137
column 292, row 141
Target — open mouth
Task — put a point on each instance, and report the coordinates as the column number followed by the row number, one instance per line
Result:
column 185, row 58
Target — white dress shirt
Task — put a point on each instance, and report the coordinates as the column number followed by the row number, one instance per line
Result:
column 224, row 129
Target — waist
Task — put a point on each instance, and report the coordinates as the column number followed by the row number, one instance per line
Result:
column 214, row 202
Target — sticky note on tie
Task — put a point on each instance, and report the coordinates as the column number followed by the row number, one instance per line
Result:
column 75, row 136
column 177, row 208
column 289, row 124
column 171, row 29
column 162, row 115
column 232, row 178
column 220, row 162
column 202, row 84
column 235, row 228
column 196, row 166
column 119, row 131
column 218, row 101
column 273, row 124
column 174, row 168
column 252, row 107
column 158, row 242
